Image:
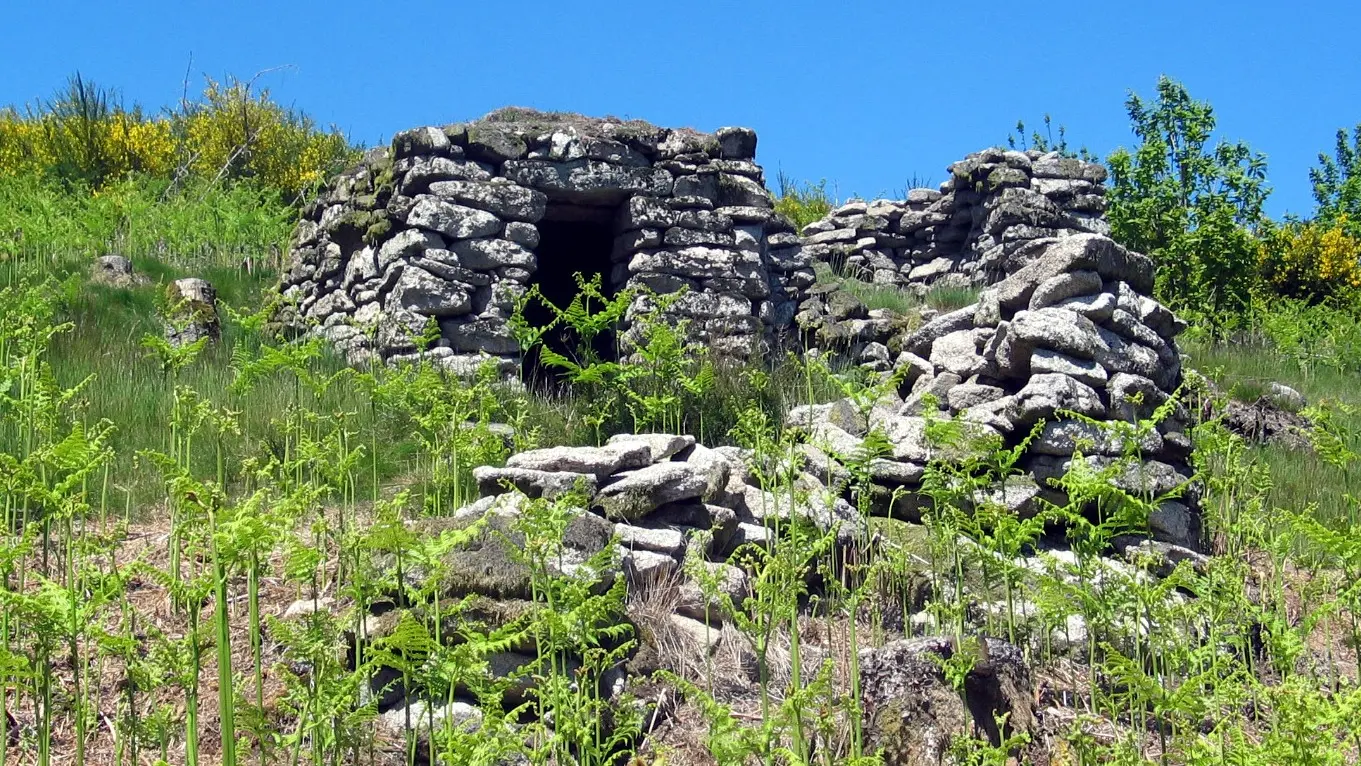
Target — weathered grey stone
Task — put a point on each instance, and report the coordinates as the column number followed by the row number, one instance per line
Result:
column 428, row 170
column 1049, row 393
column 521, row 233
column 424, row 293
column 1098, row 308
column 919, row 342
column 488, row 254
column 957, row 352
column 191, row 313
column 548, row 484
column 1058, row 329
column 1061, row 287
column 660, row 446
column 914, row 716
column 971, row 394
column 907, row 434
column 504, row 200
column 936, row 388
column 407, row 244
column 634, row 494
column 601, row 462
column 1172, row 522
column 588, row 181
column 1043, row 360
column 113, row 270
column 1065, row 437
column 668, row 541
column 453, row 221
column 712, row 465
column 419, row 141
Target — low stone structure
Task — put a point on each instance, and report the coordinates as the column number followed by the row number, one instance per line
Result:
column 973, row 230
column 1072, row 340
column 456, row 223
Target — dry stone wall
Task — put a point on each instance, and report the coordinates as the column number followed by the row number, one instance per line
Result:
column 1072, row 341
column 972, row 231
column 447, row 223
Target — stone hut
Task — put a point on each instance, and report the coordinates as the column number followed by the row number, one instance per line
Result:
column 456, row 223
column 971, row 232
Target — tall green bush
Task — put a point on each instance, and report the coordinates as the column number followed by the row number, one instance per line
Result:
column 1337, row 182
column 1190, row 205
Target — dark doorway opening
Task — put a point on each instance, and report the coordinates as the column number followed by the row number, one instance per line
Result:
column 572, row 240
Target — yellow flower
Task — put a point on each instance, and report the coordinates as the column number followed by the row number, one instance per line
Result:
column 1311, row 260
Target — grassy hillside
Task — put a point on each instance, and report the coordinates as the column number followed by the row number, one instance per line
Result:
column 242, row 553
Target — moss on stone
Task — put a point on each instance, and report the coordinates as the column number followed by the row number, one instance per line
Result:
column 379, row 229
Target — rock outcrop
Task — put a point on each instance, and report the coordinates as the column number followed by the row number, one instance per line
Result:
column 455, row 224
column 973, row 230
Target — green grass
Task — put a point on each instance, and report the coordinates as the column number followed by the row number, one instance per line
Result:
column 946, row 298
column 193, row 227
column 897, row 299
column 130, row 389
column 1299, row 479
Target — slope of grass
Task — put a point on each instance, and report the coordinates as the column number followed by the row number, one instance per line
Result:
column 1299, row 479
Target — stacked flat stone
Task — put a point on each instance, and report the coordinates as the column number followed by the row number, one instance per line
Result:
column 655, row 497
column 1071, row 339
column 973, row 230
column 442, row 224
column 660, row 494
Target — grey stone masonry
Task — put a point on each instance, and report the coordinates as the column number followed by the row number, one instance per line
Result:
column 975, row 229
column 444, row 224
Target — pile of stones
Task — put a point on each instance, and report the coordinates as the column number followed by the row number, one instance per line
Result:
column 1071, row 340
column 973, row 230
column 658, row 499
column 443, row 224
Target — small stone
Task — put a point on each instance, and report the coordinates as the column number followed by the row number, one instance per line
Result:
column 668, row 541
column 660, row 446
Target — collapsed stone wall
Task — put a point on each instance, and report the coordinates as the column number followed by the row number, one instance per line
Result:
column 971, row 231
column 446, row 223
column 1071, row 339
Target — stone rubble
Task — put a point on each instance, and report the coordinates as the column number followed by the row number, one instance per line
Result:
column 1063, row 351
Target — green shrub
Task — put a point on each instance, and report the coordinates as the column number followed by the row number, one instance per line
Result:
column 803, row 203
column 1190, row 206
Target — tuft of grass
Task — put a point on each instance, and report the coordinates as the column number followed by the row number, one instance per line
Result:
column 950, row 298
column 874, row 296
column 804, row 202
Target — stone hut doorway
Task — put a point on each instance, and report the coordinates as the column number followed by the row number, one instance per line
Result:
column 573, row 239
column 454, row 222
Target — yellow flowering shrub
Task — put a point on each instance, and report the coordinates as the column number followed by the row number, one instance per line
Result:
column 1312, row 260
column 22, row 148
column 231, row 132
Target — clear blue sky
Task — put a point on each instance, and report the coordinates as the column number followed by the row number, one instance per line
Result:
column 866, row 94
